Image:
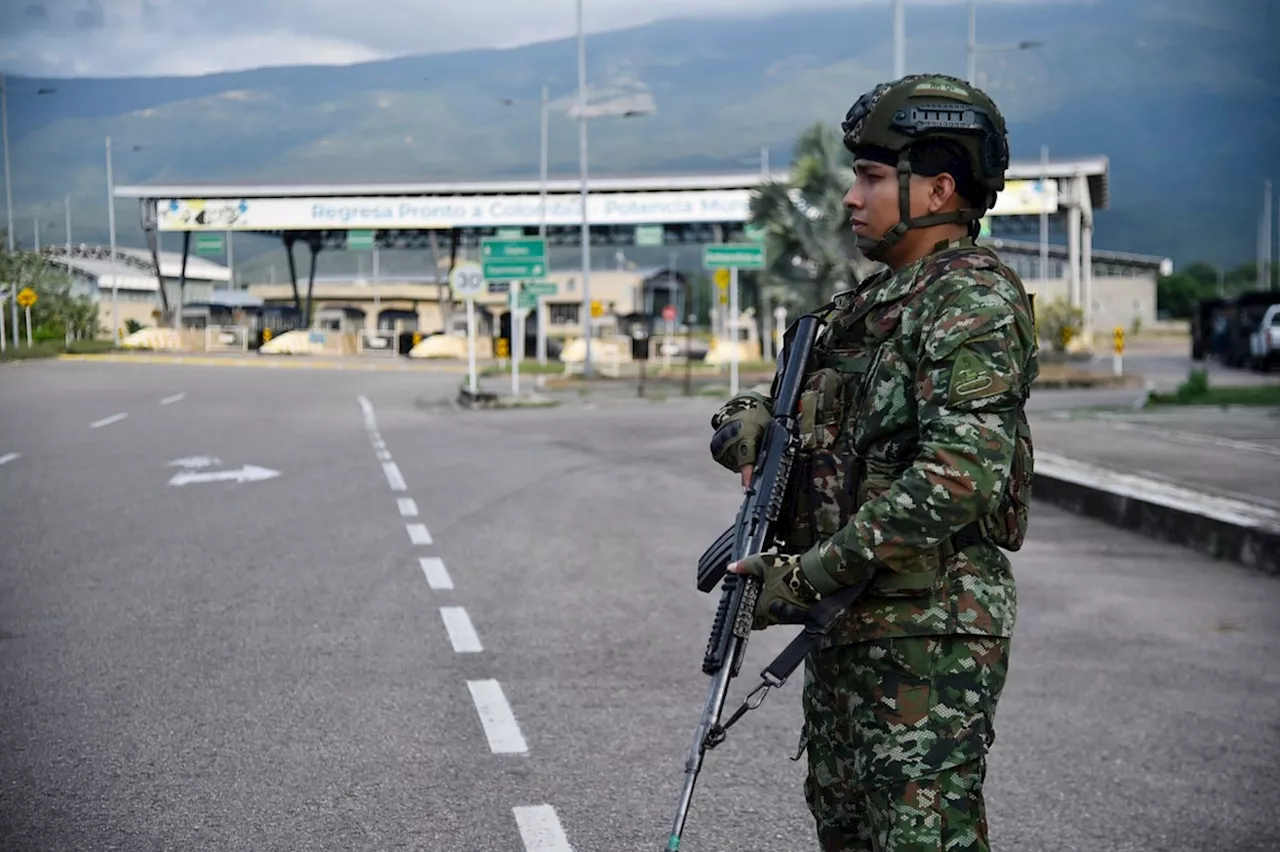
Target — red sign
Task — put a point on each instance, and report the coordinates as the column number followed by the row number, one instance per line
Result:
column 669, row 313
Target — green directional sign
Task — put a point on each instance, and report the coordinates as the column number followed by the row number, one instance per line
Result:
column 513, row 259
column 209, row 244
column 359, row 240
column 526, row 300
column 729, row 255
column 540, row 288
column 649, row 235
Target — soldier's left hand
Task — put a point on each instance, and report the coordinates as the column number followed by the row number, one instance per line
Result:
column 785, row 596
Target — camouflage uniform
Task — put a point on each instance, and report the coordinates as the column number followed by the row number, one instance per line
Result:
column 914, row 470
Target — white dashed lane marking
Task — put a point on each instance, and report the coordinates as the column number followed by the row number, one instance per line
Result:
column 394, row 478
column 499, row 723
column 418, row 533
column 170, row 400
column 540, row 829
column 8, row 457
column 462, row 635
column 435, row 572
column 408, row 508
column 107, row 421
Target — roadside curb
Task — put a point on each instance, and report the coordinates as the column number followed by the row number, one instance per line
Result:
column 1221, row 527
column 274, row 362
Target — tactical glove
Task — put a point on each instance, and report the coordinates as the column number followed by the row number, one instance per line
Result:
column 786, row 594
column 740, row 424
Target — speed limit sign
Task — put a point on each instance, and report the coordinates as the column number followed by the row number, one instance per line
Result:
column 467, row 280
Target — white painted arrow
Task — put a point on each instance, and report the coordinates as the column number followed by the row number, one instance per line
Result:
column 248, row 473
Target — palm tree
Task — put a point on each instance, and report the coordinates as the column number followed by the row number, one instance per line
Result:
column 811, row 249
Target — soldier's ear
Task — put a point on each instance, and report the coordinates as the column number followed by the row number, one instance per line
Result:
column 942, row 193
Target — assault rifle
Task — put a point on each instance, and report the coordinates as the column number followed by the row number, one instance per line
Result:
column 755, row 529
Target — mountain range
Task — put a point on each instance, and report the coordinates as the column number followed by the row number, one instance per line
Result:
column 1181, row 95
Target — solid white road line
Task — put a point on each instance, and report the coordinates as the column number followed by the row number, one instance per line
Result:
column 408, row 508
column 540, row 829
column 8, row 457
column 418, row 533
column 170, row 400
column 437, row 575
column 107, row 421
column 500, row 726
column 394, row 479
column 382, row 455
column 462, row 634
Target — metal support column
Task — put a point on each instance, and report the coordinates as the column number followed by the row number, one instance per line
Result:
column 182, row 281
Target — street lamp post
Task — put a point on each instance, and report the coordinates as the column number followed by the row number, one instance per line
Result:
column 111, row 227
column 8, row 201
column 972, row 47
column 542, row 224
column 585, row 233
column 899, row 39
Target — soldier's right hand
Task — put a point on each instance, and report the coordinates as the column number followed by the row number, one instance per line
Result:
column 740, row 425
column 747, row 470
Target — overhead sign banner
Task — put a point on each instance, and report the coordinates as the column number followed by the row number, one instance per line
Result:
column 437, row 212
column 1026, row 198
column 1019, row 198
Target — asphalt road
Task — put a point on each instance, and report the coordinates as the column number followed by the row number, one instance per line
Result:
column 272, row 665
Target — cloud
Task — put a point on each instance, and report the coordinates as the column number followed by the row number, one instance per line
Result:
column 186, row 37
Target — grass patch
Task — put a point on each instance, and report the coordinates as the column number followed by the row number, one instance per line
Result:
column 1196, row 391
column 54, row 348
column 530, row 367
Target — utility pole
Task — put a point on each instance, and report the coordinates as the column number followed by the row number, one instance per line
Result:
column 1044, row 216
column 111, row 226
column 1264, row 239
column 899, row 39
column 971, row 49
column 582, row 167
column 8, row 202
column 542, row 226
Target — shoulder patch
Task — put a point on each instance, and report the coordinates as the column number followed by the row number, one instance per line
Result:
column 973, row 378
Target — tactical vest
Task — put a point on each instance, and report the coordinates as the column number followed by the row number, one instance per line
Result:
column 834, row 477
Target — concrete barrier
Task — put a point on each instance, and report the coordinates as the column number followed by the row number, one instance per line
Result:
column 1222, row 527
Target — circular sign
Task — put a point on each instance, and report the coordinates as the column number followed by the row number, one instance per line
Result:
column 467, row 280
column 26, row 297
column 669, row 313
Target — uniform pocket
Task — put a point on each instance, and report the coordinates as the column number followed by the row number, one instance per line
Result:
column 822, row 409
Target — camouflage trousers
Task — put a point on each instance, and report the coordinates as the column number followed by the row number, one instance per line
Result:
column 897, row 732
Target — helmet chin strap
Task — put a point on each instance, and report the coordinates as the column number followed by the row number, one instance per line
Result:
column 875, row 249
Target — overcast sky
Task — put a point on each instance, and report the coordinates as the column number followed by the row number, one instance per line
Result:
column 165, row 37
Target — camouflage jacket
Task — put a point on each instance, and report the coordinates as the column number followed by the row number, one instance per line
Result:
column 908, row 424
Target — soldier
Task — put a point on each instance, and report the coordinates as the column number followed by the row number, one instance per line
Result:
column 913, row 471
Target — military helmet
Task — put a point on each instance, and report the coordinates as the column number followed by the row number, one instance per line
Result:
column 894, row 116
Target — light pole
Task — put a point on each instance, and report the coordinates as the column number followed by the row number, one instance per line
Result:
column 8, row 180
column 8, row 201
column 111, row 228
column 542, row 218
column 582, row 169
column 899, row 39
column 972, row 47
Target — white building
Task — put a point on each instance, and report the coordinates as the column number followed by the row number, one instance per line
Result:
column 134, row 280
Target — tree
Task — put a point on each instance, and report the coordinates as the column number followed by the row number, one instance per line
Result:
column 811, row 250
column 1060, row 322
column 1179, row 293
column 56, row 312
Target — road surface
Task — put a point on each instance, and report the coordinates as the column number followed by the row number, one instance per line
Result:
column 436, row 629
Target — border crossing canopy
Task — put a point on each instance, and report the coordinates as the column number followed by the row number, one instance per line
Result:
column 686, row 207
